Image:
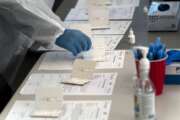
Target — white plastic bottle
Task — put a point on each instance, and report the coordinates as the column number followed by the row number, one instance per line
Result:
column 144, row 93
column 132, row 39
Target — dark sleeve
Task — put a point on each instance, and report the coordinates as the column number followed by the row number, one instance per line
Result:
column 13, row 46
column 57, row 4
column 5, row 93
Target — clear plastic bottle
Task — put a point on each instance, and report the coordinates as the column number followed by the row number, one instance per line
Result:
column 137, row 95
column 144, row 93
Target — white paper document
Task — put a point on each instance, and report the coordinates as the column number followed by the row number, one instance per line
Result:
column 48, row 101
column 110, row 41
column 71, row 110
column 100, row 18
column 77, row 15
column 113, row 60
column 85, row 3
column 116, row 28
column 81, row 4
column 115, row 13
column 99, row 3
column 64, row 60
column 101, row 84
column 122, row 13
column 134, row 3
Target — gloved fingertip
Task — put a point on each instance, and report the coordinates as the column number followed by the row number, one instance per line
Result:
column 86, row 42
column 73, row 50
column 57, row 42
column 89, row 44
column 79, row 49
column 84, row 45
column 74, row 53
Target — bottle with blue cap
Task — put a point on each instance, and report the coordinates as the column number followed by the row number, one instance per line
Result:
column 144, row 92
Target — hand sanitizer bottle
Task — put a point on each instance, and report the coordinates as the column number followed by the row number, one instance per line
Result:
column 144, row 93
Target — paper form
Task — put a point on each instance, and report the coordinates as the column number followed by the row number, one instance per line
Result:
column 110, row 41
column 71, row 110
column 99, row 3
column 101, row 84
column 122, row 12
column 85, row 3
column 57, row 61
column 116, row 28
column 114, row 60
column 100, row 18
column 81, row 3
column 48, row 100
column 77, row 15
column 64, row 60
column 46, row 109
column 126, row 2
column 115, row 13
column 135, row 3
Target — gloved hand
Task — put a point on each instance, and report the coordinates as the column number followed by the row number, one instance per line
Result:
column 74, row 41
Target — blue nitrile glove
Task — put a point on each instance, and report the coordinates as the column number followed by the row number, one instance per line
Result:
column 173, row 56
column 161, row 54
column 74, row 41
column 151, row 52
column 157, row 50
column 150, row 56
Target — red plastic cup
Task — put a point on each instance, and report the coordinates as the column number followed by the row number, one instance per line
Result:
column 156, row 74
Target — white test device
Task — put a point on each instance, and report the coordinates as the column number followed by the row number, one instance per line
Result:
column 164, row 16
